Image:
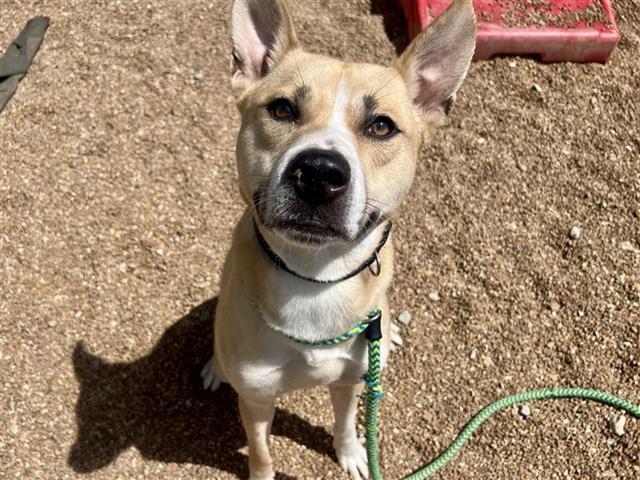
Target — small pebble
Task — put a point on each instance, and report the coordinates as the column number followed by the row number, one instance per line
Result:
column 555, row 306
column 52, row 323
column 434, row 296
column 473, row 355
column 617, row 424
column 404, row 318
column 536, row 88
column 627, row 246
column 198, row 76
column 513, row 64
column 525, row 411
column 512, row 227
column 575, row 232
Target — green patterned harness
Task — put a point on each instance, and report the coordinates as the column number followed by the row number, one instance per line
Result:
column 371, row 325
column 348, row 335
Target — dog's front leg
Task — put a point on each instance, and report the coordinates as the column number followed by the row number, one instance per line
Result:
column 257, row 416
column 352, row 456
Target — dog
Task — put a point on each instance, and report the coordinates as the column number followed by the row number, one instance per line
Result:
column 326, row 153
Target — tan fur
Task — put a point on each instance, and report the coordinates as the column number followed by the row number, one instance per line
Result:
column 391, row 178
column 259, row 304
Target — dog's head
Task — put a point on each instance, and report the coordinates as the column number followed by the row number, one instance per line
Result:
column 327, row 149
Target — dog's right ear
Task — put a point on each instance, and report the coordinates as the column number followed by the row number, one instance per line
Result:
column 262, row 32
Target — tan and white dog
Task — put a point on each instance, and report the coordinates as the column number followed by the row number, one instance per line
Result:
column 326, row 153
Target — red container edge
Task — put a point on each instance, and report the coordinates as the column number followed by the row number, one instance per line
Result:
column 549, row 44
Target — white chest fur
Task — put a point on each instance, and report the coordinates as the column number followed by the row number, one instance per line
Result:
column 310, row 311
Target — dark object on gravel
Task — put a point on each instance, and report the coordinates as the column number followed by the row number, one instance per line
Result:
column 16, row 61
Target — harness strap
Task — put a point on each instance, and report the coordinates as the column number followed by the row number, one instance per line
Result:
column 372, row 318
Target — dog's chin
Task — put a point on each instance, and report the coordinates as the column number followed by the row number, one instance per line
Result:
column 310, row 233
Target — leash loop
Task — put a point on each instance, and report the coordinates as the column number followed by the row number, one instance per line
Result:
column 373, row 318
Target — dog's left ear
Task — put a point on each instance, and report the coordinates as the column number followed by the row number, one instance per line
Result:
column 436, row 62
column 262, row 32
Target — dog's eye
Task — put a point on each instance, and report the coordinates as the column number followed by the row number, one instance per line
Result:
column 282, row 110
column 382, row 128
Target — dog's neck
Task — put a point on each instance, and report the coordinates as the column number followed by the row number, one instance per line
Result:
column 324, row 263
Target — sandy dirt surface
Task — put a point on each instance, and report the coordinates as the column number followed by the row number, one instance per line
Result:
column 118, row 197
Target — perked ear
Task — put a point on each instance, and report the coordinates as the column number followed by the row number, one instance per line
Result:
column 436, row 62
column 262, row 32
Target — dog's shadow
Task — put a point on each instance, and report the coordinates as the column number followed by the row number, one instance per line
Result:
column 157, row 404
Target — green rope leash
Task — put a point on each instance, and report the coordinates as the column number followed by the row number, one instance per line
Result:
column 357, row 330
column 372, row 328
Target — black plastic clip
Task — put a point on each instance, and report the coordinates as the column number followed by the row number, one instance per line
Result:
column 374, row 329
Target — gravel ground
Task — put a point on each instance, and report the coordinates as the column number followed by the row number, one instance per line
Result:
column 118, row 199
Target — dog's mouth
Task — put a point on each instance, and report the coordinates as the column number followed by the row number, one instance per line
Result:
column 310, row 227
column 310, row 231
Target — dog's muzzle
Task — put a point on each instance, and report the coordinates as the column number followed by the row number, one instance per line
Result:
column 313, row 196
column 316, row 194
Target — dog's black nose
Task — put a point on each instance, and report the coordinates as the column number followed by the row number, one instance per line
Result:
column 319, row 176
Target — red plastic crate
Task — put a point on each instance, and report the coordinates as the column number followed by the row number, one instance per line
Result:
column 557, row 34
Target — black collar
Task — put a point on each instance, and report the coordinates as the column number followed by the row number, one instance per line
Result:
column 367, row 263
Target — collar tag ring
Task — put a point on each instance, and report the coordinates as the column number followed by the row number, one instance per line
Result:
column 375, row 271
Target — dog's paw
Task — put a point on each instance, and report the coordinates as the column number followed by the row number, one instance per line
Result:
column 210, row 381
column 396, row 339
column 352, row 457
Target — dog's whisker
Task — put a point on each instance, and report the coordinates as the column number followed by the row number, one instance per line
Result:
column 299, row 72
column 384, row 85
column 373, row 201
